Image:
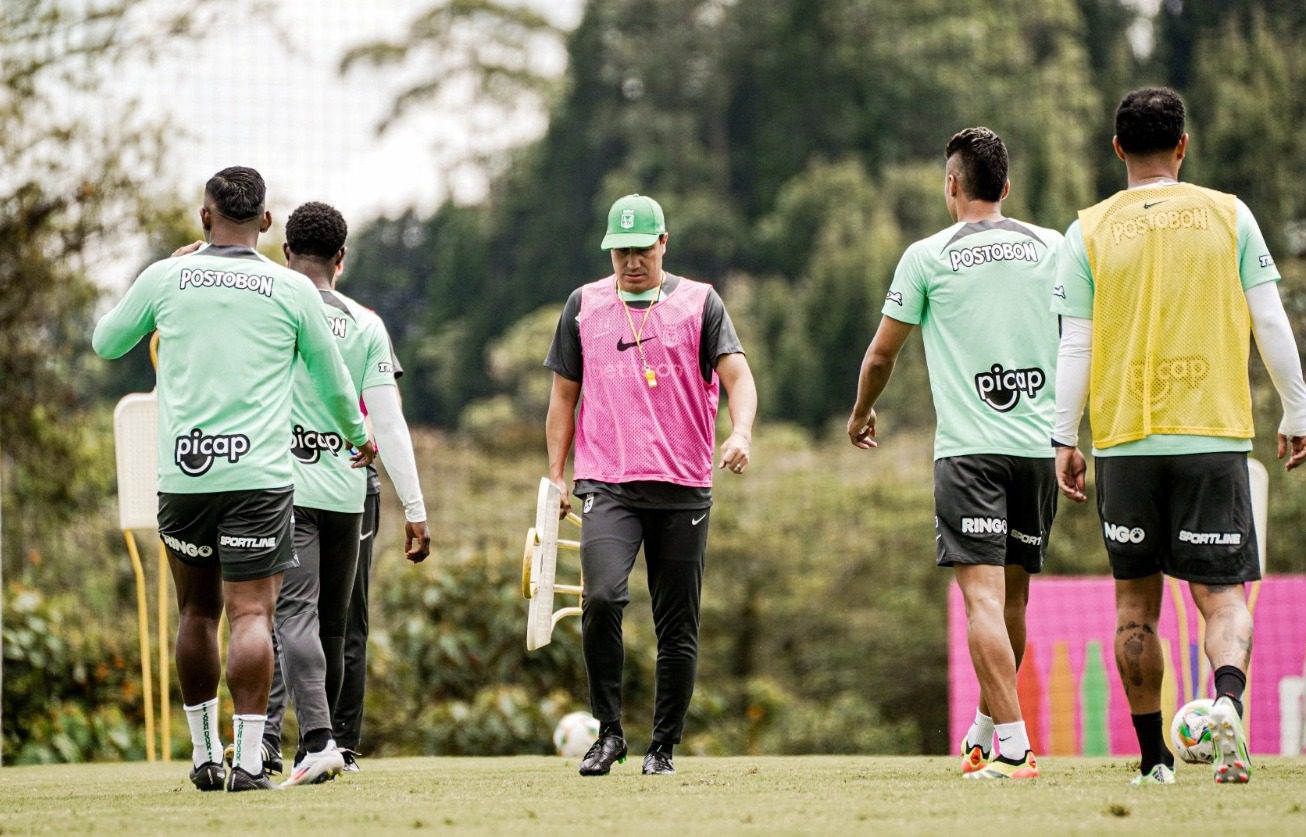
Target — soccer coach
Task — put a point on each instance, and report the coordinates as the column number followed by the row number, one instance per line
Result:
column 650, row 351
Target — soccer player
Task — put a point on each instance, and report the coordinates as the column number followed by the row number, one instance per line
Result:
column 329, row 498
column 978, row 289
column 650, row 350
column 232, row 324
column 1158, row 287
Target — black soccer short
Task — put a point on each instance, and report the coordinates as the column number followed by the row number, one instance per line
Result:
column 1189, row 517
column 994, row 509
column 249, row 533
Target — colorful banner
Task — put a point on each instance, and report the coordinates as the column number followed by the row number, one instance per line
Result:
column 1070, row 691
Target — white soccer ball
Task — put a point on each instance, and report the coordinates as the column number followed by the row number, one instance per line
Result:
column 1190, row 732
column 574, row 734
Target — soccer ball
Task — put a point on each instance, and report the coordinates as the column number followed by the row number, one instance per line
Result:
column 575, row 733
column 1190, row 732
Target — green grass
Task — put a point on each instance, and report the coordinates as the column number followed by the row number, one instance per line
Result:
column 765, row 795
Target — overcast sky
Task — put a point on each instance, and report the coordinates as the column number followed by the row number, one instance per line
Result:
column 242, row 95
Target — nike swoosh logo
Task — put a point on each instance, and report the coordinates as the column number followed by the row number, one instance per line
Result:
column 623, row 345
column 1154, row 203
column 698, row 519
column 1008, row 738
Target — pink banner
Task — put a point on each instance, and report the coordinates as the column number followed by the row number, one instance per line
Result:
column 1070, row 691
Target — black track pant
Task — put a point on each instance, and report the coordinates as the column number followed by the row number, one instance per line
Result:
column 348, row 714
column 674, row 545
column 310, row 619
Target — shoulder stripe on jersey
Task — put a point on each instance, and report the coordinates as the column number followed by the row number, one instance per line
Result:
column 334, row 301
column 975, row 227
column 231, row 251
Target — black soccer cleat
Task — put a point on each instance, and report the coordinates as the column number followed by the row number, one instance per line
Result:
column 272, row 765
column 209, row 776
column 658, row 763
column 239, row 780
column 602, row 754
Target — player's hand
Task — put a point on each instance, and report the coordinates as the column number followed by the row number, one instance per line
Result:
column 861, row 430
column 1070, row 474
column 564, row 499
column 417, row 541
column 187, row 249
column 1297, row 445
column 734, row 453
column 363, row 455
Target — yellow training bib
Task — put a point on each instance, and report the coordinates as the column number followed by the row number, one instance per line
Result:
column 1171, row 330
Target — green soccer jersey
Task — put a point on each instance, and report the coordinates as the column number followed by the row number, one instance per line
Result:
column 324, row 478
column 1073, row 297
column 979, row 293
column 230, row 324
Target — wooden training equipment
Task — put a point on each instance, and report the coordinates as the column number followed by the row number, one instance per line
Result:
column 539, row 562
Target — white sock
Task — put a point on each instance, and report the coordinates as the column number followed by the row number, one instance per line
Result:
column 1013, row 740
column 980, row 732
column 248, row 735
column 205, row 739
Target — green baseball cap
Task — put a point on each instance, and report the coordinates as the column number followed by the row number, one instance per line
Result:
column 634, row 221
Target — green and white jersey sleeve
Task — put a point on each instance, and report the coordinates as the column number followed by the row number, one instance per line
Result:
column 324, row 478
column 979, row 293
column 231, row 324
column 1072, row 296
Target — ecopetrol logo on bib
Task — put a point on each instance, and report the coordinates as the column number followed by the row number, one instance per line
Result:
column 307, row 445
column 194, row 453
column 1123, row 534
column 1001, row 388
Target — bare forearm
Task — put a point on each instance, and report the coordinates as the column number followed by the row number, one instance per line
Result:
column 875, row 373
column 742, row 395
column 559, row 429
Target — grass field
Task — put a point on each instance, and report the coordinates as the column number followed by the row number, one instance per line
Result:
column 769, row 795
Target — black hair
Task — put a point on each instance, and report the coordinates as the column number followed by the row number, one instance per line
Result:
column 1149, row 120
column 983, row 161
column 237, row 192
column 316, row 229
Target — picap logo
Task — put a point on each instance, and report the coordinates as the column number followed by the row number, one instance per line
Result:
column 307, row 445
column 1167, row 374
column 1123, row 534
column 194, row 453
column 1001, row 388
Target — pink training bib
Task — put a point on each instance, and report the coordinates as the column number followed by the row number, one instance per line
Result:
column 629, row 431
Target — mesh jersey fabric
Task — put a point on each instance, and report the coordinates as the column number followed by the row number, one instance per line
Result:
column 626, row 430
column 231, row 323
column 324, row 477
column 979, row 292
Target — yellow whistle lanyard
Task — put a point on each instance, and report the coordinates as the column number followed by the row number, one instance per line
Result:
column 638, row 333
